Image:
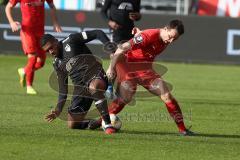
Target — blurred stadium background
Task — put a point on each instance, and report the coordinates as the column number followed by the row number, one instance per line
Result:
column 212, row 27
column 203, row 67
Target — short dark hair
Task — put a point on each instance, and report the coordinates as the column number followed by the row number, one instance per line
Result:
column 46, row 38
column 178, row 25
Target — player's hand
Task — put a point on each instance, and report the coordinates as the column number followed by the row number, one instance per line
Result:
column 57, row 27
column 111, row 74
column 113, row 25
column 52, row 115
column 15, row 26
column 134, row 16
column 136, row 31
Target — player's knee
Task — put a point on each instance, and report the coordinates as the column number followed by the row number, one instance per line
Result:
column 97, row 85
column 127, row 91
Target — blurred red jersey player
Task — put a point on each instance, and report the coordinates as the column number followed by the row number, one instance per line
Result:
column 32, row 29
column 132, row 66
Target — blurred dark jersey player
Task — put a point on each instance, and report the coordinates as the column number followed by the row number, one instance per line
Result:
column 121, row 15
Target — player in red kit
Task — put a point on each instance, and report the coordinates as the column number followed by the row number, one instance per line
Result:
column 32, row 29
column 131, row 65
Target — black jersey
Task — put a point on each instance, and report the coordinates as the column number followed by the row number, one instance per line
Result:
column 76, row 61
column 119, row 11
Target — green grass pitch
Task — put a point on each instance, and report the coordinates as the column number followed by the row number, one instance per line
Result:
column 208, row 94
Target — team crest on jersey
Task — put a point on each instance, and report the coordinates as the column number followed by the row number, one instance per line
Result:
column 68, row 48
column 138, row 39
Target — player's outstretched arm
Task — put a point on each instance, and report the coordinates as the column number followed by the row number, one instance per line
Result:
column 53, row 13
column 87, row 36
column 14, row 24
column 62, row 79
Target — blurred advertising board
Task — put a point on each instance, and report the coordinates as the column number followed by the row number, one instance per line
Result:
column 206, row 39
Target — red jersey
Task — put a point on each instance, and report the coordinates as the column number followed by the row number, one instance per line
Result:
column 146, row 46
column 32, row 13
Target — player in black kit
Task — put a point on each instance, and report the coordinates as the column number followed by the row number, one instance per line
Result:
column 74, row 59
column 120, row 16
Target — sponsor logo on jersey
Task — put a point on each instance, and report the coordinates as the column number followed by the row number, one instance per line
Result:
column 126, row 6
column 68, row 48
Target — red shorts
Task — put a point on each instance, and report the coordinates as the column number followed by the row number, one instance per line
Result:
column 31, row 42
column 137, row 73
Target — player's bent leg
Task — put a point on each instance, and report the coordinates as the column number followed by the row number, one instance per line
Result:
column 125, row 92
column 97, row 88
column 159, row 88
column 30, row 45
column 176, row 113
column 118, row 104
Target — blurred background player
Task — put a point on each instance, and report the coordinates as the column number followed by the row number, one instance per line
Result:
column 74, row 59
column 32, row 29
column 132, row 66
column 120, row 16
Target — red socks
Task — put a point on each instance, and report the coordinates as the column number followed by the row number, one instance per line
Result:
column 29, row 70
column 176, row 113
column 173, row 108
column 116, row 106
